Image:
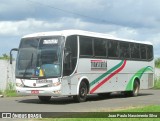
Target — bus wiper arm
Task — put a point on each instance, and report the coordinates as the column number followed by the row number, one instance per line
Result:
column 29, row 64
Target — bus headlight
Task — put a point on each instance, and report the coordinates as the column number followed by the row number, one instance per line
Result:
column 56, row 84
column 57, row 92
column 19, row 85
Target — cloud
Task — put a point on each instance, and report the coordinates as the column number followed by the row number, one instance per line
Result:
column 131, row 13
column 14, row 30
column 31, row 25
column 25, row 26
column 131, row 19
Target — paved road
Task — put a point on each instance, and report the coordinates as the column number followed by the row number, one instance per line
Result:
column 94, row 103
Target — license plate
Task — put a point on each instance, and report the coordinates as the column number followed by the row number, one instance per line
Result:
column 43, row 81
column 34, row 91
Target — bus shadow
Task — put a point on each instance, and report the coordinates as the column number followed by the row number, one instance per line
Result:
column 113, row 96
column 69, row 100
column 53, row 101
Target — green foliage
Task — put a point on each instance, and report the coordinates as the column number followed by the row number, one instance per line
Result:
column 10, row 90
column 10, row 93
column 1, row 92
column 151, row 108
column 10, row 86
column 157, row 84
column 4, row 57
column 157, row 63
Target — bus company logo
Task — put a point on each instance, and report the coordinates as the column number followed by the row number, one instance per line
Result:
column 99, row 64
column 34, row 84
column 6, row 115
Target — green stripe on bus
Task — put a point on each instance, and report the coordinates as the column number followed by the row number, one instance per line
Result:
column 105, row 74
column 138, row 75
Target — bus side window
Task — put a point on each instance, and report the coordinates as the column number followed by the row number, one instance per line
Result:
column 86, row 48
column 149, row 52
column 124, row 50
column 100, row 48
column 113, row 49
column 143, row 51
column 135, row 52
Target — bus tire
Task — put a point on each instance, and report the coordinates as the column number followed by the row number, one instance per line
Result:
column 44, row 98
column 135, row 91
column 82, row 96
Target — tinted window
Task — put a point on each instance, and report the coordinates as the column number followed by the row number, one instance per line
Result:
column 149, row 52
column 29, row 43
column 112, row 48
column 99, row 47
column 86, row 46
column 143, row 51
column 135, row 53
column 124, row 50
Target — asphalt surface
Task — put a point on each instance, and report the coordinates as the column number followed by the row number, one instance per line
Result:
column 67, row 104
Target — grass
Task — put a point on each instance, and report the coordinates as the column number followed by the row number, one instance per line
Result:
column 157, row 84
column 10, row 91
column 137, row 110
column 151, row 108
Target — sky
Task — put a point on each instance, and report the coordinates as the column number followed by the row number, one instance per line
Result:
column 129, row 19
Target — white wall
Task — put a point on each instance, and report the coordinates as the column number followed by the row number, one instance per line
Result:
column 7, row 73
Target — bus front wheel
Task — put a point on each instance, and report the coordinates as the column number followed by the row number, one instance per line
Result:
column 82, row 96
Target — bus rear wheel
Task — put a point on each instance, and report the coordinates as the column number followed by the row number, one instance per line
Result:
column 82, row 96
column 44, row 98
column 135, row 91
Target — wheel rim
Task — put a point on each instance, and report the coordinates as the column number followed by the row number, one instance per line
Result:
column 136, row 88
column 83, row 91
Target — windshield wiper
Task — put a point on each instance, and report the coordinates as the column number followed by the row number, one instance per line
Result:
column 29, row 64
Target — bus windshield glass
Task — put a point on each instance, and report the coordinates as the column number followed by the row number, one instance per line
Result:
column 39, row 58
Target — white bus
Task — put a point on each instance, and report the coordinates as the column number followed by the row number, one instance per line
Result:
column 77, row 63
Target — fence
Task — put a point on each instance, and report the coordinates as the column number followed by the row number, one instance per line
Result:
column 7, row 73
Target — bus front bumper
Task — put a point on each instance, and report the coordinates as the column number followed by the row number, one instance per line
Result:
column 49, row 91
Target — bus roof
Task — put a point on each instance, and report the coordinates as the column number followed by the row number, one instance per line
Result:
column 83, row 33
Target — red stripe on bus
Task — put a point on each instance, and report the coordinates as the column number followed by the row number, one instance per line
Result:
column 106, row 79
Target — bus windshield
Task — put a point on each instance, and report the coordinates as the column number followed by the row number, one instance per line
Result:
column 39, row 58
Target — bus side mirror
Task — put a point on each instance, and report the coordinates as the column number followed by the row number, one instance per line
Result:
column 11, row 58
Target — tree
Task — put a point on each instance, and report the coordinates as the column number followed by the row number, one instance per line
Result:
column 5, row 57
column 157, row 62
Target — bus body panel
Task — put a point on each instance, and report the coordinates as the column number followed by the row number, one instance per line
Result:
column 104, row 74
column 119, row 78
